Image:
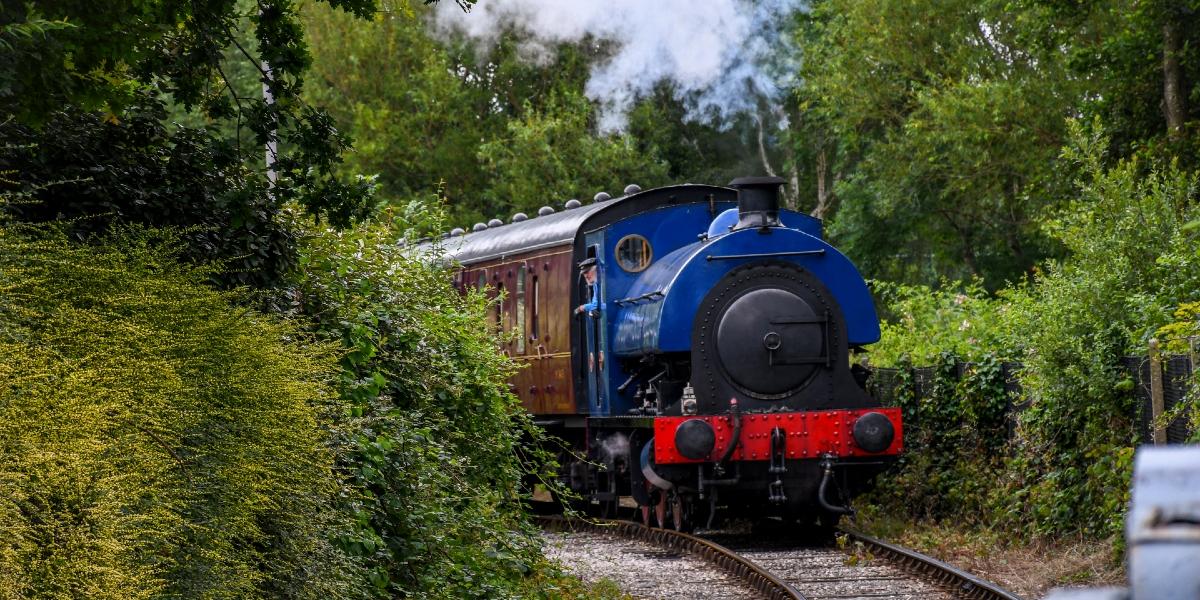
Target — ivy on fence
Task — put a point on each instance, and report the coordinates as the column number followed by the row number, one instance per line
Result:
column 985, row 397
column 960, row 421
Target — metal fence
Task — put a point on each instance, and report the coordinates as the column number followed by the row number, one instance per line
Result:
column 1176, row 378
column 1176, row 372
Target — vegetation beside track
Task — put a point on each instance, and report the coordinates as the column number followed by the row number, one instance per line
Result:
column 944, row 163
column 1029, row 567
column 1132, row 262
column 338, row 428
column 431, row 438
column 160, row 438
column 156, row 439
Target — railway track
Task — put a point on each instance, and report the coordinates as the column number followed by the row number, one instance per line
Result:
column 777, row 569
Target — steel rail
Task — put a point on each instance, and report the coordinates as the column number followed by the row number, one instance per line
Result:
column 963, row 584
column 723, row 558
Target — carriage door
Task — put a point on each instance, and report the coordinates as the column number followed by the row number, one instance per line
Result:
column 594, row 337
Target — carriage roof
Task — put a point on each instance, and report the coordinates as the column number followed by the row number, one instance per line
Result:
column 563, row 226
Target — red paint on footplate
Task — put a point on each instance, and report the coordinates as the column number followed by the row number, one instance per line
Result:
column 809, row 434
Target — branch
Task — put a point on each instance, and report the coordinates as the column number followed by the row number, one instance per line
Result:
column 165, row 447
column 254, row 61
column 237, row 99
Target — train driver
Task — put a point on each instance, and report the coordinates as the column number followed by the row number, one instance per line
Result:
column 587, row 268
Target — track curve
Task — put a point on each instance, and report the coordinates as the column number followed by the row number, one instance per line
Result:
column 787, row 571
column 964, row 584
column 731, row 562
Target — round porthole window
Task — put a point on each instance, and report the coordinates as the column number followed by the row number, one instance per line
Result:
column 634, row 253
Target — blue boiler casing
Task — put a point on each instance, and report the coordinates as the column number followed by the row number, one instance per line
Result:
column 658, row 309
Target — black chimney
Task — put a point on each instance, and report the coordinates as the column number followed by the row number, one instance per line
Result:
column 758, row 201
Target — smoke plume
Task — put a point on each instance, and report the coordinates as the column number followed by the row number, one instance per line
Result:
column 613, row 447
column 724, row 56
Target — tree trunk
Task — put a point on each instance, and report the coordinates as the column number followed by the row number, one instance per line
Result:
column 762, row 148
column 793, row 195
column 824, row 186
column 791, row 192
column 967, row 250
column 1173, row 100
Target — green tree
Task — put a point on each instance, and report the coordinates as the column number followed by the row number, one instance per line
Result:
column 94, row 173
column 435, row 115
column 948, row 120
column 1141, row 62
column 416, row 121
column 551, row 155
column 110, row 58
column 696, row 148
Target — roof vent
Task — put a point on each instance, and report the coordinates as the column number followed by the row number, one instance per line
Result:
column 601, row 197
column 545, row 210
column 457, row 231
column 517, row 218
column 479, row 227
column 495, row 223
column 572, row 203
column 632, row 189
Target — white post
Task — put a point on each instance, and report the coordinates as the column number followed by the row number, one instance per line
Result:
column 272, row 148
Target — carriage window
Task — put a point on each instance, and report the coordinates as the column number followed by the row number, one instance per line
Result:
column 500, row 312
column 520, row 310
column 634, row 253
column 535, row 301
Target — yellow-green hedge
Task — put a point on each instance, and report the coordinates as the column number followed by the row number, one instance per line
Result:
column 154, row 439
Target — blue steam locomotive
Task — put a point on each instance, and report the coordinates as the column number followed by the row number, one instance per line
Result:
column 692, row 344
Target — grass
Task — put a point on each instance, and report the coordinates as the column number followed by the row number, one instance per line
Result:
column 1028, row 567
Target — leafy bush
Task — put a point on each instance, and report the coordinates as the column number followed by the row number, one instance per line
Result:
column 1178, row 335
column 155, row 441
column 1131, row 262
column 431, row 440
column 922, row 323
column 954, row 438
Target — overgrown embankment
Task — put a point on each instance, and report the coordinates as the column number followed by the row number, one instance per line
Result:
column 1133, row 258
column 160, row 439
column 155, row 439
column 431, row 442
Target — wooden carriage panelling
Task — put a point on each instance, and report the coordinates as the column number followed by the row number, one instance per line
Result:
column 534, row 321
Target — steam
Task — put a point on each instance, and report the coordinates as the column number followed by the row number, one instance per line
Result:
column 723, row 56
column 614, row 446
